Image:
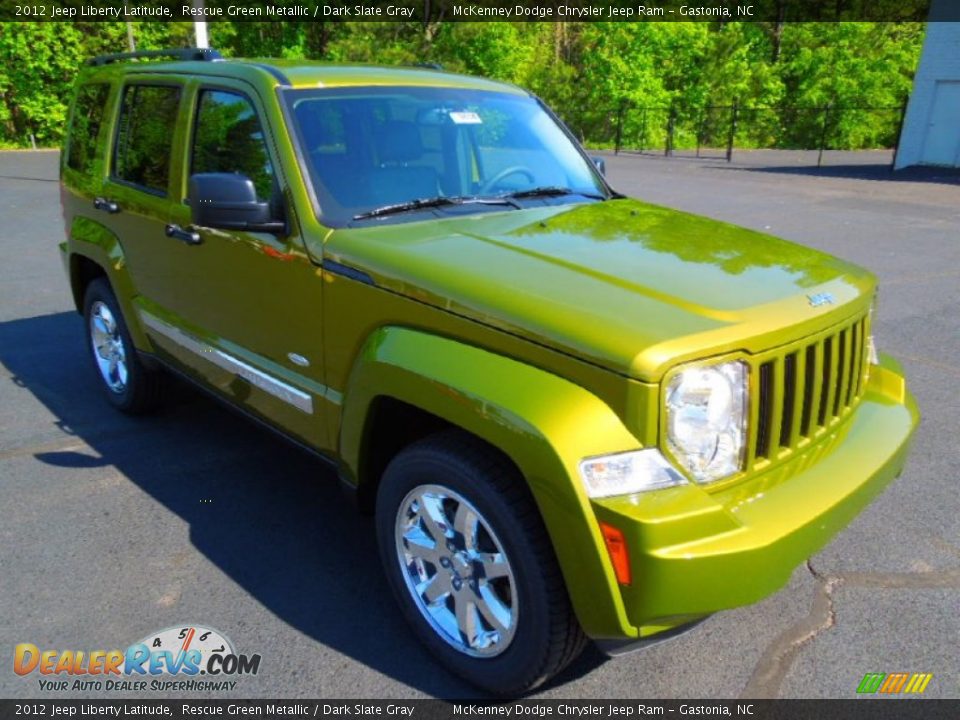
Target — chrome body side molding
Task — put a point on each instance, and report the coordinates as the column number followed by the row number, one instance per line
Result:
column 256, row 377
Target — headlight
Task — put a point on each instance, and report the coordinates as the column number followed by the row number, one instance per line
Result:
column 707, row 418
column 627, row 472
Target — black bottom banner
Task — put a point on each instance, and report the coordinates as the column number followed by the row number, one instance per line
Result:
column 865, row 709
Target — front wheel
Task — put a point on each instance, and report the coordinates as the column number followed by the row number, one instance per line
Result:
column 471, row 565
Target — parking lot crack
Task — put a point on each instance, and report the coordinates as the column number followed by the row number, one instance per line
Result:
column 778, row 658
column 776, row 661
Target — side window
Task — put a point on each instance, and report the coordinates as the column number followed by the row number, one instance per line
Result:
column 148, row 118
column 228, row 138
column 85, row 126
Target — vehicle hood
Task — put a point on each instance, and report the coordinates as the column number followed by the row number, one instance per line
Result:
column 624, row 284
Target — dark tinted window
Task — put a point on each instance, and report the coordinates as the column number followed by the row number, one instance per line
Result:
column 148, row 118
column 85, row 128
column 369, row 147
column 229, row 139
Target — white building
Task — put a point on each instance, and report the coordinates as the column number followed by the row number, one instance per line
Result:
column 931, row 127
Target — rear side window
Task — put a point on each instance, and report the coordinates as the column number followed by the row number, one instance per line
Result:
column 148, row 118
column 229, row 139
column 85, row 127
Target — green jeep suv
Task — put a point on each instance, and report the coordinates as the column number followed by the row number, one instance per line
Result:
column 575, row 415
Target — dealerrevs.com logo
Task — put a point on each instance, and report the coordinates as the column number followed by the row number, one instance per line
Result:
column 177, row 659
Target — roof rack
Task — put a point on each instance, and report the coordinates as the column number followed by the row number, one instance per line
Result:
column 427, row 65
column 203, row 54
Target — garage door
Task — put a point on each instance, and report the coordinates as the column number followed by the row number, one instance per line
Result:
column 941, row 145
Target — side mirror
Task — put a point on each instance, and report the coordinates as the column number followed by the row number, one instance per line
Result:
column 229, row 201
column 601, row 165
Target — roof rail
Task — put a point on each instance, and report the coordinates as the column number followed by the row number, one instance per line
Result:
column 204, row 54
column 426, row 65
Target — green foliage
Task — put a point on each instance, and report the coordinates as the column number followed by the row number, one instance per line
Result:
column 780, row 74
column 849, row 65
column 37, row 61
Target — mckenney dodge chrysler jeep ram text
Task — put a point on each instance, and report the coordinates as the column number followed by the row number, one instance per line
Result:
column 575, row 415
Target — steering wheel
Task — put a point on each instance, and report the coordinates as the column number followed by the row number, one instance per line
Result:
column 490, row 184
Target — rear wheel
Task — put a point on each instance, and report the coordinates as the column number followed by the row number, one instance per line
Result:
column 470, row 563
column 128, row 384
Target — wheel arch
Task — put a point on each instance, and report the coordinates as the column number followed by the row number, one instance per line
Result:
column 95, row 251
column 390, row 426
column 542, row 423
column 83, row 271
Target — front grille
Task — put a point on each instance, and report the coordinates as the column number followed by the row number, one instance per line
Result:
column 801, row 390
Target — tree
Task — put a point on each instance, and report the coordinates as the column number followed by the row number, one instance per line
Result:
column 587, row 71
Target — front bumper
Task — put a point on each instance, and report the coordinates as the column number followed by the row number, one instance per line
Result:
column 693, row 551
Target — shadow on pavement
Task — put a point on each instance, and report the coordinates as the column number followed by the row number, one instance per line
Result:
column 279, row 526
column 944, row 176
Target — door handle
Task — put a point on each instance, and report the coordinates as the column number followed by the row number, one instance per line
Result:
column 108, row 206
column 188, row 236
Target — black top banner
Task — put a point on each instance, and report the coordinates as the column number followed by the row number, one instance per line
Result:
column 423, row 11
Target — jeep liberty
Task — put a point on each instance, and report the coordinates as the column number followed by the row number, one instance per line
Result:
column 573, row 414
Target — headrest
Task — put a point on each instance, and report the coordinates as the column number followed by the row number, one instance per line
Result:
column 316, row 132
column 399, row 141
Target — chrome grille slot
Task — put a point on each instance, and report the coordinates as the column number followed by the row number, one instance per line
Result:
column 842, row 377
column 826, row 389
column 809, row 386
column 766, row 410
column 790, row 392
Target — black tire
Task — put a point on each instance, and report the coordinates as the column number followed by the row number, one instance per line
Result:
column 141, row 387
column 546, row 635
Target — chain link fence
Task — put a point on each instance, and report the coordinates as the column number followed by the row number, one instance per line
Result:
column 717, row 131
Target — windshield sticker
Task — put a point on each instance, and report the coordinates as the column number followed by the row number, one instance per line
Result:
column 466, row 118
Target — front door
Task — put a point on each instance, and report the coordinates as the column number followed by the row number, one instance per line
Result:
column 252, row 300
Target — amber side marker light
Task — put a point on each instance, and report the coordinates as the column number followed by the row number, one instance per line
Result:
column 617, row 549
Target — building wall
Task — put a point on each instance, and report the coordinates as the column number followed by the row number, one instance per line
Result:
column 940, row 61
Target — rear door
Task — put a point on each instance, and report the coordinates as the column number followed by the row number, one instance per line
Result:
column 137, row 194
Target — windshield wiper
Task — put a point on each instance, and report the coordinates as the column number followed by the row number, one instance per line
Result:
column 549, row 191
column 439, row 201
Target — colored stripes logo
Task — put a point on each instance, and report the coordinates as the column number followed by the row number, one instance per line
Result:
column 894, row 683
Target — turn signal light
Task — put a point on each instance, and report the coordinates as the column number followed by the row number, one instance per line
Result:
column 617, row 549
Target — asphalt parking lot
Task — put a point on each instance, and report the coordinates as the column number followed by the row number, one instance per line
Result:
column 112, row 528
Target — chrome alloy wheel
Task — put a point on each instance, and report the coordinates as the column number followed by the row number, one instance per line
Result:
column 108, row 347
column 456, row 571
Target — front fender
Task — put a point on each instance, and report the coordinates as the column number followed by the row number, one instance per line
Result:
column 544, row 423
column 97, row 243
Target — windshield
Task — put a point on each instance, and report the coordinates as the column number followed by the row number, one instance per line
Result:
column 369, row 149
